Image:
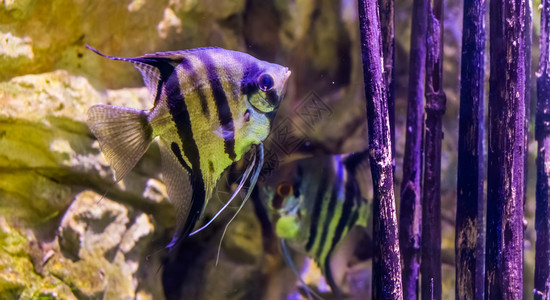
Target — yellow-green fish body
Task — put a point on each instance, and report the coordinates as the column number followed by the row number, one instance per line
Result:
column 210, row 106
column 315, row 206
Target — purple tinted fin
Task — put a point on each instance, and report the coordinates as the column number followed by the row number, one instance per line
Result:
column 153, row 67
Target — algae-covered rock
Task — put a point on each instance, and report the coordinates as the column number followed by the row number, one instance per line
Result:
column 19, row 277
column 106, row 242
column 45, row 144
column 69, row 242
column 110, row 241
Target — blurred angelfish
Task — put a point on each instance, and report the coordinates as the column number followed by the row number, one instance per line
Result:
column 211, row 106
column 315, row 202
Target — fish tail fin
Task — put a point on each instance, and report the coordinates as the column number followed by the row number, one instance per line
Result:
column 124, row 134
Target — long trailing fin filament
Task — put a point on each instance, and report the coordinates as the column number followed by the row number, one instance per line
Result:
column 237, row 191
column 253, row 181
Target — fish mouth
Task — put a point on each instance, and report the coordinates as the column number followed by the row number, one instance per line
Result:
column 285, row 82
column 287, row 74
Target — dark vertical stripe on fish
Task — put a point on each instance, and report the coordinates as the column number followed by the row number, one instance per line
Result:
column 343, row 223
column 180, row 116
column 235, row 87
column 159, row 92
column 346, row 212
column 248, row 83
column 316, row 211
column 353, row 219
column 329, row 216
column 177, row 152
column 163, row 64
column 192, row 73
column 220, row 98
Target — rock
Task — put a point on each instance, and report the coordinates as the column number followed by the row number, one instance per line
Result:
column 42, row 127
column 18, row 278
column 108, row 244
column 49, row 159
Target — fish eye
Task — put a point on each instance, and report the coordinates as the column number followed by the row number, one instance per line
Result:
column 265, row 82
column 284, row 189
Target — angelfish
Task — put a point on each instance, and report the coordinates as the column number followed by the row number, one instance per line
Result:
column 314, row 203
column 211, row 106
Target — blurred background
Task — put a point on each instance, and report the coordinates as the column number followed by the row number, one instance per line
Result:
column 68, row 231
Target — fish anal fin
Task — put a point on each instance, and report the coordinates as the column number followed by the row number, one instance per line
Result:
column 124, row 135
column 178, row 186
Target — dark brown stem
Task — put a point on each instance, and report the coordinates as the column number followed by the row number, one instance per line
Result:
column 542, row 134
column 410, row 214
column 387, row 27
column 386, row 261
column 506, row 154
column 430, row 266
column 469, row 237
column 528, row 41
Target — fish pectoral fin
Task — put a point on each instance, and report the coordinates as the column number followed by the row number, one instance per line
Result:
column 178, row 187
column 225, row 132
column 124, row 134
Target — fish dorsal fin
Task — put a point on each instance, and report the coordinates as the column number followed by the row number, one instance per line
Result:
column 178, row 187
column 151, row 78
column 356, row 161
column 357, row 165
column 124, row 134
column 153, row 67
column 177, row 55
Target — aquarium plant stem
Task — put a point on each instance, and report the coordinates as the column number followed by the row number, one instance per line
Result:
column 387, row 27
column 386, row 261
column 410, row 214
column 430, row 266
column 528, row 42
column 505, row 173
column 542, row 135
column 469, row 234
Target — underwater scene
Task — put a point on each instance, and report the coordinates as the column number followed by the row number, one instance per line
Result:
column 274, row 149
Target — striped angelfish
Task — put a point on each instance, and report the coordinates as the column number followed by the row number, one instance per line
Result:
column 210, row 107
column 314, row 203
